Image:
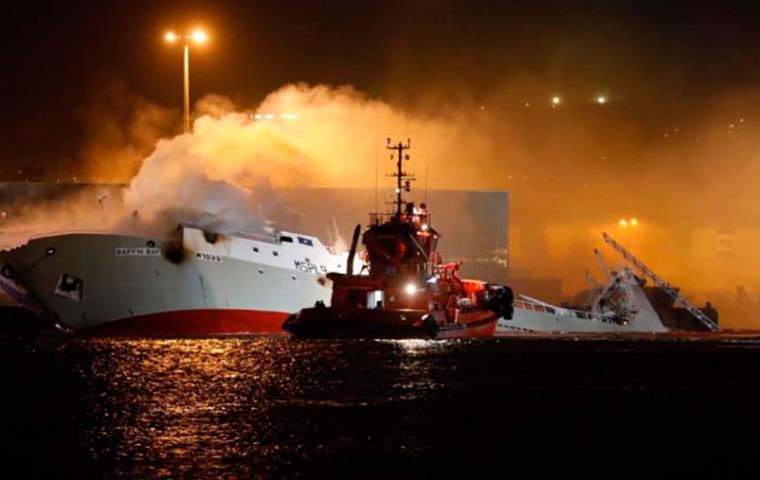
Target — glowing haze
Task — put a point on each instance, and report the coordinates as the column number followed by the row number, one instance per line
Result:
column 573, row 170
column 227, row 174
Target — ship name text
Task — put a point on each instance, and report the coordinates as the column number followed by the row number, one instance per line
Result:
column 209, row 257
column 308, row 267
column 137, row 252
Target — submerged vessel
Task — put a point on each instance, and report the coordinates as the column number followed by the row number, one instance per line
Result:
column 625, row 304
column 193, row 282
column 408, row 292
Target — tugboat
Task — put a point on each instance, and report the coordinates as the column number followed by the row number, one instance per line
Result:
column 406, row 290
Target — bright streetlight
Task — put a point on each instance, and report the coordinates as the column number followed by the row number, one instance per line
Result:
column 199, row 37
column 601, row 99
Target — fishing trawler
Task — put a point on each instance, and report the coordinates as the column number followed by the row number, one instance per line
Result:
column 623, row 305
column 193, row 281
column 408, row 292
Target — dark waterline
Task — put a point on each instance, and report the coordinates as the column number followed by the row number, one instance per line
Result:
column 98, row 407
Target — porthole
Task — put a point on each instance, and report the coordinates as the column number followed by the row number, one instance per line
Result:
column 6, row 271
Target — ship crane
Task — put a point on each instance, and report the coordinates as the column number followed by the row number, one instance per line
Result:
column 665, row 286
column 592, row 281
column 606, row 277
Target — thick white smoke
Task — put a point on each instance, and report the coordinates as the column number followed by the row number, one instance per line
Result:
column 227, row 174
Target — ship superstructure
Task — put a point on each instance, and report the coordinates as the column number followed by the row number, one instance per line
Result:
column 408, row 292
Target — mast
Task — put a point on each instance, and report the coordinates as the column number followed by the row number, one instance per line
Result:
column 400, row 174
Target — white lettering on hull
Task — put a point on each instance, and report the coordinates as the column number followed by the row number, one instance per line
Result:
column 209, row 257
column 308, row 267
column 137, row 252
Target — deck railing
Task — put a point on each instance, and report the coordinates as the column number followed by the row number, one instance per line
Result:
column 569, row 312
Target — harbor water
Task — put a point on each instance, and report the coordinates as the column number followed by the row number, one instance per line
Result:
column 277, row 407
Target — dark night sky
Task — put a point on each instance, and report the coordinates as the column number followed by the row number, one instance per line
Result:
column 659, row 56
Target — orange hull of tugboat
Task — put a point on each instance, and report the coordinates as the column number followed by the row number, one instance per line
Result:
column 483, row 325
column 363, row 323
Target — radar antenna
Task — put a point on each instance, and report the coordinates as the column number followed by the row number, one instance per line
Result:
column 403, row 179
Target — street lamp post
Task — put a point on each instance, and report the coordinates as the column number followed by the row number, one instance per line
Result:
column 197, row 37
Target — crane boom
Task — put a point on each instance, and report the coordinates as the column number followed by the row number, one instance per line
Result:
column 665, row 286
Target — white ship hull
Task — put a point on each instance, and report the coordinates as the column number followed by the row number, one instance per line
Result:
column 531, row 321
column 195, row 284
column 621, row 306
column 532, row 316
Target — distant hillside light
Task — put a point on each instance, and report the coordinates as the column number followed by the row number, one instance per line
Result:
column 556, row 100
column 631, row 222
column 171, row 37
column 601, row 99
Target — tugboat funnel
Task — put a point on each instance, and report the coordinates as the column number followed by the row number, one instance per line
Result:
column 352, row 251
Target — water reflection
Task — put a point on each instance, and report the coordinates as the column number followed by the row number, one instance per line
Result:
column 280, row 407
column 179, row 402
column 204, row 404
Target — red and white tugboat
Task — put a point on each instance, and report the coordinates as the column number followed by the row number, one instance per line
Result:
column 409, row 292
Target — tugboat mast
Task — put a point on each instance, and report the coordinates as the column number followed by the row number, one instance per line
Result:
column 400, row 174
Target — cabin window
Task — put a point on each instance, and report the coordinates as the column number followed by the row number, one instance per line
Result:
column 375, row 299
column 286, row 239
column 305, row 241
column 256, row 249
column 276, row 253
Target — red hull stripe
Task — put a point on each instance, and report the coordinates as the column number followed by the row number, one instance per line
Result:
column 197, row 322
